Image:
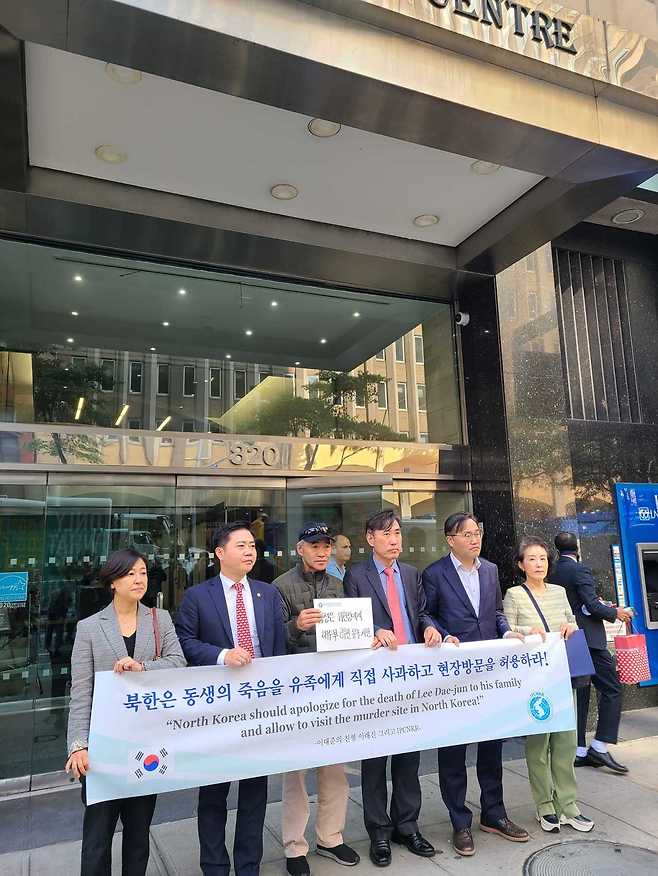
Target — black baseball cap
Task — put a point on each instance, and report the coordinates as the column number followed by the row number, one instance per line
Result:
column 313, row 532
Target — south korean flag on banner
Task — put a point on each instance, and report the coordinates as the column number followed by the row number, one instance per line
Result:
column 148, row 765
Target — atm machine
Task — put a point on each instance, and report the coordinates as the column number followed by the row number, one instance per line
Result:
column 637, row 507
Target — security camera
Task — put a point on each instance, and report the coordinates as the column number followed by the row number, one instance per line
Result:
column 462, row 319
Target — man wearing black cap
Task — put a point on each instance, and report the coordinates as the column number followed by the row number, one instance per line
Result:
column 307, row 581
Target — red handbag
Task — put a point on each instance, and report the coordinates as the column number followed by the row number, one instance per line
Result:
column 632, row 657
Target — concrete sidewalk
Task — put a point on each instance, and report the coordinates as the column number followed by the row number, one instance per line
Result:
column 624, row 809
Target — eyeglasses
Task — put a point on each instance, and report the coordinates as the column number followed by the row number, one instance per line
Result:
column 475, row 535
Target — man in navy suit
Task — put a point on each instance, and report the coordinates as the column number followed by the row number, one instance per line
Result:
column 400, row 617
column 230, row 620
column 464, row 599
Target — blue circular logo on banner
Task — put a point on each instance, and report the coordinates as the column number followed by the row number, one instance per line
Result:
column 540, row 707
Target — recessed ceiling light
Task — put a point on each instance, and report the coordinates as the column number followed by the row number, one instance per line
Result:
column 123, row 75
column 323, row 340
column 182, row 291
column 74, row 313
column 627, row 217
column 110, row 154
column 323, row 128
column 284, row 192
column 274, row 303
column 249, row 332
column 152, row 349
column 78, row 278
column 425, row 220
column 69, row 340
column 485, row 168
column 356, row 313
column 297, row 363
column 228, row 356
column 165, row 323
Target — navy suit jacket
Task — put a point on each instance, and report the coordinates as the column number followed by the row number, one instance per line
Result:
column 449, row 605
column 363, row 580
column 204, row 628
column 580, row 584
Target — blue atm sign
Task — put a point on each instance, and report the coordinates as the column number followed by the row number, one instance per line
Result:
column 13, row 589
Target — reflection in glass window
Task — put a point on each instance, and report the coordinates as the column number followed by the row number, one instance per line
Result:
column 188, row 426
column 163, row 379
column 423, row 437
column 134, row 423
column 348, row 398
column 135, row 376
column 239, row 383
column 107, row 376
column 422, row 401
column 188, row 380
column 215, row 383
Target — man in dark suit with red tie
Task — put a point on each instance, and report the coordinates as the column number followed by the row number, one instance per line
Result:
column 230, row 620
column 464, row 599
column 400, row 618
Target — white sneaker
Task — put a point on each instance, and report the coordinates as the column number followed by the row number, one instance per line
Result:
column 549, row 823
column 578, row 822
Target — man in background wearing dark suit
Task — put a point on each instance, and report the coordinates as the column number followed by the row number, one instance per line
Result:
column 590, row 612
column 464, row 599
column 230, row 620
column 400, row 618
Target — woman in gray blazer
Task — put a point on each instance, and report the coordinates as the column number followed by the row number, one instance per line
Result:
column 124, row 637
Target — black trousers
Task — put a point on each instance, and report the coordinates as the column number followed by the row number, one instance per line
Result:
column 100, row 821
column 405, row 799
column 608, row 689
column 248, row 841
column 453, row 781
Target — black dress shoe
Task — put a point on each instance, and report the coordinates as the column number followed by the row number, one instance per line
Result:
column 380, row 852
column 585, row 761
column 604, row 758
column 415, row 842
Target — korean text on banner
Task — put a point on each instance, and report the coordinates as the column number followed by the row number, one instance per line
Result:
column 180, row 728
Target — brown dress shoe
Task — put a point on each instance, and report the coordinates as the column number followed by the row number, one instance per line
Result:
column 462, row 842
column 507, row 829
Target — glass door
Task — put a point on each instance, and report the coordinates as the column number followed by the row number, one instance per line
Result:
column 203, row 504
column 22, row 504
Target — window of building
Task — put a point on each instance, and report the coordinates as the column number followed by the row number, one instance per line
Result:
column 239, row 383
column 422, row 400
column 360, row 398
column 189, row 380
column 263, row 375
column 399, row 350
column 135, row 384
column 188, row 426
column 78, row 361
column 312, row 388
column 108, row 367
column 402, row 396
column 597, row 341
column 419, row 348
column 423, row 437
column 215, row 383
column 163, row 379
column 134, row 423
column 532, row 305
column 382, row 395
column 381, row 356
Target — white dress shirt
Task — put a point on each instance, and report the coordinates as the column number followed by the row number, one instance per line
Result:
column 470, row 578
column 231, row 596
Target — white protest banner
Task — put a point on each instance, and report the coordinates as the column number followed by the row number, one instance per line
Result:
column 180, row 728
column 346, row 624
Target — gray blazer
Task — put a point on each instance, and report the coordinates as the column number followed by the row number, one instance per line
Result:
column 98, row 645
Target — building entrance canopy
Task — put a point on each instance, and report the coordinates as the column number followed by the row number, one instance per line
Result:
column 454, row 145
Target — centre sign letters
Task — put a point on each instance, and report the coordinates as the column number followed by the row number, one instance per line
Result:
column 554, row 33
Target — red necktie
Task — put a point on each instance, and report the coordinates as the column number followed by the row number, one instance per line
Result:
column 394, row 607
column 242, row 621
